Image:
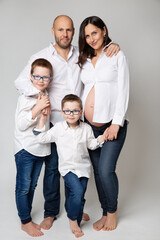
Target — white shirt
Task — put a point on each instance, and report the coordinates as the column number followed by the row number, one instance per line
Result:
column 24, row 137
column 66, row 78
column 110, row 78
column 72, row 147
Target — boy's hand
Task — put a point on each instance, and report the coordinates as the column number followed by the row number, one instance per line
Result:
column 46, row 111
column 101, row 138
column 112, row 49
column 42, row 102
column 111, row 132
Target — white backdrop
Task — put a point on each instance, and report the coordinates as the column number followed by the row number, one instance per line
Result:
column 25, row 28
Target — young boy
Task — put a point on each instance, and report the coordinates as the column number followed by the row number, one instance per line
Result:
column 29, row 154
column 73, row 139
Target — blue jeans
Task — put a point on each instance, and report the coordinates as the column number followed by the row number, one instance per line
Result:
column 104, row 162
column 75, row 189
column 28, row 171
column 51, row 184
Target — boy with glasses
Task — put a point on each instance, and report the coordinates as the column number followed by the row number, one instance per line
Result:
column 73, row 139
column 29, row 154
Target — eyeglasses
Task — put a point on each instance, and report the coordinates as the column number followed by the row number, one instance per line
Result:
column 68, row 112
column 38, row 78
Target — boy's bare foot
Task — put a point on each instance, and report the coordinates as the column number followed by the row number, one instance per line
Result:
column 111, row 222
column 32, row 229
column 85, row 217
column 47, row 223
column 100, row 223
column 76, row 230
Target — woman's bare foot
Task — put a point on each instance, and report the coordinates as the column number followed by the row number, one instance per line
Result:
column 47, row 223
column 111, row 222
column 76, row 230
column 32, row 229
column 85, row 217
column 100, row 223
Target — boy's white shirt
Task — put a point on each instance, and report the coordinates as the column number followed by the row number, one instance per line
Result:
column 24, row 137
column 72, row 146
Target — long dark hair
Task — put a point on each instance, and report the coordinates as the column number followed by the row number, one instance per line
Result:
column 85, row 50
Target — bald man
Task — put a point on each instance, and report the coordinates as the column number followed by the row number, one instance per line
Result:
column 66, row 80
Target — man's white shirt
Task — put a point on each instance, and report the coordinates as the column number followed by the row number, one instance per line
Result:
column 66, row 78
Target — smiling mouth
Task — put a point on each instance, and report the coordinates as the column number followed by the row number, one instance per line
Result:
column 93, row 44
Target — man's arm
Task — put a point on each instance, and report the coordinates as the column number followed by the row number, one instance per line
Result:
column 112, row 49
column 23, row 82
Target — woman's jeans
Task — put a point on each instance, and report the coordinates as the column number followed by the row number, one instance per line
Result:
column 28, row 171
column 104, row 162
column 75, row 189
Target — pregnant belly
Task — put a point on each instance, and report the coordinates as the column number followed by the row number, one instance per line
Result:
column 89, row 108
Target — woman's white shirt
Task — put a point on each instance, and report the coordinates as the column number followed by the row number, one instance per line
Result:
column 110, row 78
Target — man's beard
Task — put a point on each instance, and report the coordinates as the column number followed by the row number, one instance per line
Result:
column 64, row 46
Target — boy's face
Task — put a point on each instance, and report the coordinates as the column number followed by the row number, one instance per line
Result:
column 72, row 117
column 41, row 84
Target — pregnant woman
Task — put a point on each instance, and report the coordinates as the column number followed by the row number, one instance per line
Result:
column 105, row 100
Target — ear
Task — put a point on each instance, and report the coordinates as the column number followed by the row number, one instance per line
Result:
column 61, row 112
column 104, row 30
column 31, row 77
column 80, row 114
column 73, row 31
column 53, row 31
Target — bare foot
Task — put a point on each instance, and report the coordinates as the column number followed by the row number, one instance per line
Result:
column 76, row 230
column 100, row 223
column 47, row 223
column 85, row 217
column 32, row 229
column 111, row 222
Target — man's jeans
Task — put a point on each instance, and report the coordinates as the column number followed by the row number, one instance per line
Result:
column 75, row 189
column 28, row 171
column 51, row 184
column 104, row 162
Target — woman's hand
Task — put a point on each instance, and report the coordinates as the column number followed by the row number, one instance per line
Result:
column 111, row 132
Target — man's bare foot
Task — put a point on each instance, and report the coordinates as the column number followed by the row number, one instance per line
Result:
column 76, row 230
column 111, row 222
column 85, row 217
column 32, row 229
column 100, row 223
column 47, row 223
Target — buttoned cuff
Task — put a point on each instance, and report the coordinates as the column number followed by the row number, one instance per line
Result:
column 118, row 120
column 37, row 131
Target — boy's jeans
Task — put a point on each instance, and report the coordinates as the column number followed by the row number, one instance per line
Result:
column 75, row 189
column 28, row 171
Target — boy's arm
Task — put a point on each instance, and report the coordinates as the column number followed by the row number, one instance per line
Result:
column 92, row 142
column 45, row 136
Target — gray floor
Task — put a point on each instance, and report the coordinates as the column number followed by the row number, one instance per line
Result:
column 138, row 217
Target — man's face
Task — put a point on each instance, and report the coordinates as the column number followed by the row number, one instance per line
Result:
column 63, row 32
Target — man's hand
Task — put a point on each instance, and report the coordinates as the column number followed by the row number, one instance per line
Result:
column 112, row 49
column 111, row 132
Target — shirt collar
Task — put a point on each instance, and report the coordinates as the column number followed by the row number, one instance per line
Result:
column 89, row 60
column 66, row 125
column 53, row 50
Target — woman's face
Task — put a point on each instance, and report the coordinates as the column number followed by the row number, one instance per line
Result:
column 94, row 37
